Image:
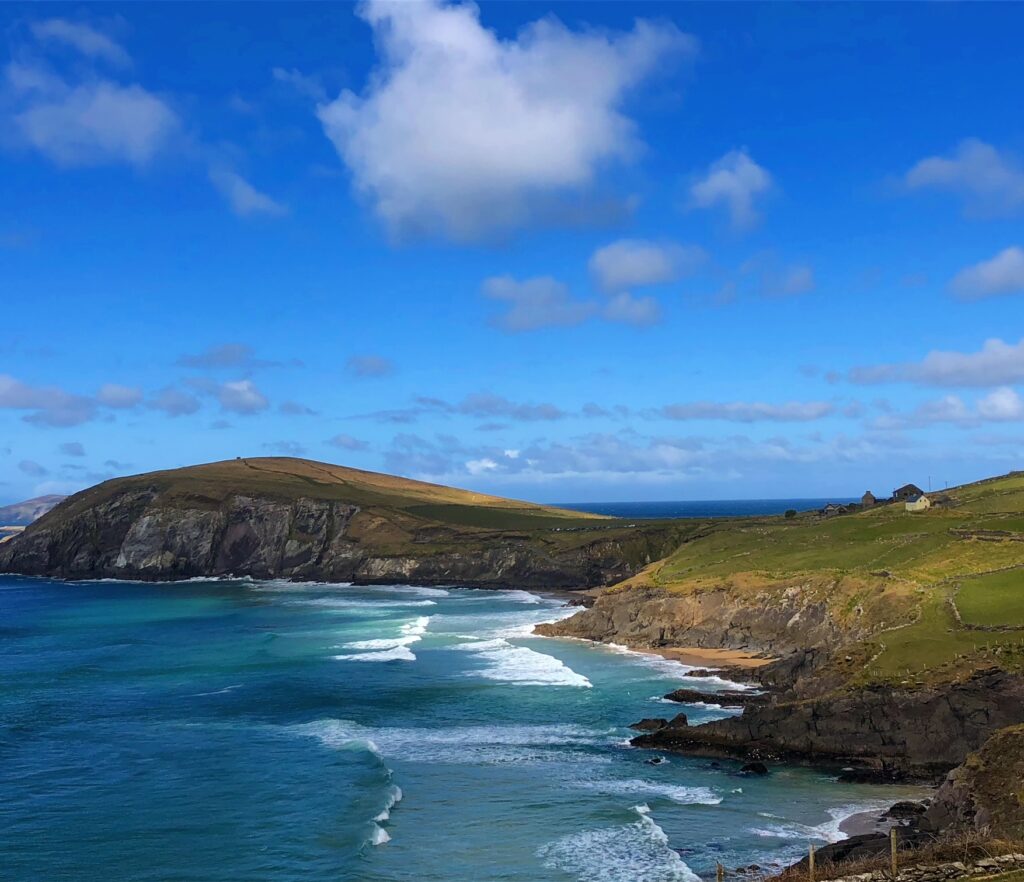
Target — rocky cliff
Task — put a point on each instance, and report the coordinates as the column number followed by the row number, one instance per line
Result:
column 898, row 732
column 986, row 793
column 155, row 527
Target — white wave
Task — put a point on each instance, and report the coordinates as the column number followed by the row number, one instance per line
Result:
column 639, row 787
column 411, row 632
column 521, row 665
column 486, row 745
column 637, row 852
column 521, row 597
column 378, row 835
column 829, row 831
column 398, row 653
column 394, row 796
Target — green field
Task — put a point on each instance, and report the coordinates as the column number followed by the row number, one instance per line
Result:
column 993, row 600
column 885, row 570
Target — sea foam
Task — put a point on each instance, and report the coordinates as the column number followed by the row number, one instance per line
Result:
column 520, row 665
column 389, row 648
column 637, row 852
column 639, row 787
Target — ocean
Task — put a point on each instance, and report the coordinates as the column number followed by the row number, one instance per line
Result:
column 706, row 508
column 208, row 731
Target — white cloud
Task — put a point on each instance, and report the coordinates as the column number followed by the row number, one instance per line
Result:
column 734, row 182
column 997, row 363
column 540, row 302
column 82, row 38
column 461, row 133
column 347, row 442
column 245, row 200
column 630, row 310
column 174, row 402
column 749, row 412
column 94, row 122
column 118, row 397
column 31, row 467
column 1002, row 274
column 241, row 396
column 632, row 263
column 990, row 182
column 46, row 405
column 1001, row 404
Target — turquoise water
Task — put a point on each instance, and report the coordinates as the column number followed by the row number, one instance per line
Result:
column 269, row 731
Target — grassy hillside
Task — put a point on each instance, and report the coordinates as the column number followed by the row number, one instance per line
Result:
column 288, row 479
column 941, row 591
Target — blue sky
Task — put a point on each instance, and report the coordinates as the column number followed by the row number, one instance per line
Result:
column 564, row 252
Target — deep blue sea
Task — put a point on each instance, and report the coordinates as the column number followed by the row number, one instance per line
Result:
column 702, row 508
column 210, row 731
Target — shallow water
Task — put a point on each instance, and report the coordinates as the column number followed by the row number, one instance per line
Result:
column 215, row 730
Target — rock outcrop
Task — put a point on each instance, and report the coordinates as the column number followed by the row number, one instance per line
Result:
column 986, row 793
column 897, row 733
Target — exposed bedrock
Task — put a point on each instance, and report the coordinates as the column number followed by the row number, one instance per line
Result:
column 138, row 534
column 898, row 732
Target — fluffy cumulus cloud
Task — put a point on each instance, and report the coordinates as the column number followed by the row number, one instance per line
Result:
column 628, row 309
column 242, row 197
column 540, row 302
column 634, row 263
column 544, row 302
column 1001, row 405
column 94, row 121
column 32, row 468
column 750, row 411
column 734, row 183
column 72, row 448
column 369, row 366
column 1002, row 274
column 997, row 363
column 241, row 396
column 463, row 133
column 990, row 182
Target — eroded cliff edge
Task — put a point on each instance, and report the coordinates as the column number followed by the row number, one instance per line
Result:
column 290, row 519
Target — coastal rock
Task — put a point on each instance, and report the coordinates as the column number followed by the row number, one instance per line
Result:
column 754, row 768
column 649, row 724
column 897, row 732
column 984, row 794
column 726, row 698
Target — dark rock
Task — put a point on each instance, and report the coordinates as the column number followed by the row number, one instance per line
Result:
column 905, row 810
column 885, row 733
column 649, row 724
column 754, row 768
column 656, row 761
column 728, row 698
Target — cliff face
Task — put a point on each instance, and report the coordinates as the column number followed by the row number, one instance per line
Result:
column 986, row 793
column 771, row 623
column 914, row 732
column 141, row 534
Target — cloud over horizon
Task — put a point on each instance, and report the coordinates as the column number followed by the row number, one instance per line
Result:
column 461, row 133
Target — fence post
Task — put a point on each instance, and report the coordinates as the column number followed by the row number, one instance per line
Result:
column 892, row 851
column 810, row 862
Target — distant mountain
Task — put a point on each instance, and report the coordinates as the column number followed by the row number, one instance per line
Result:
column 23, row 513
